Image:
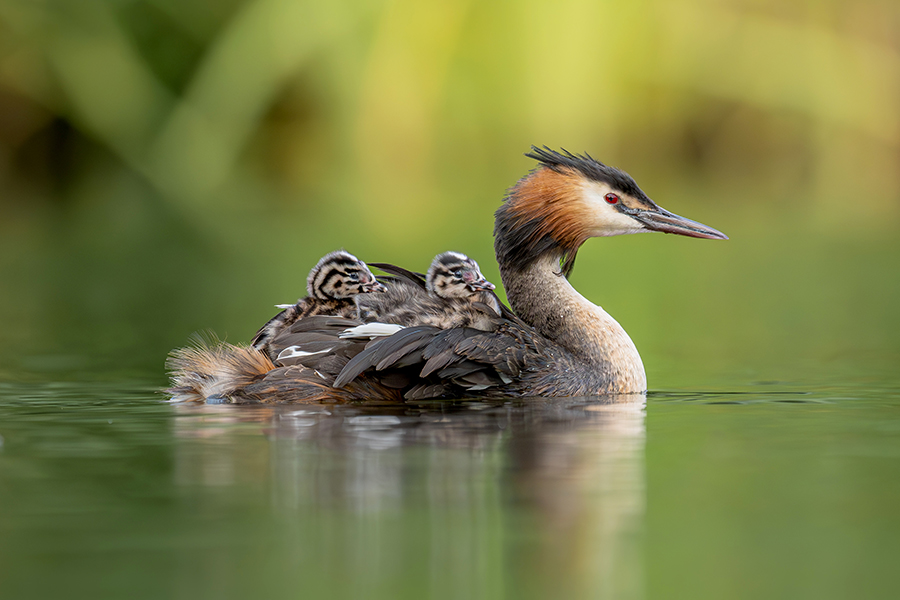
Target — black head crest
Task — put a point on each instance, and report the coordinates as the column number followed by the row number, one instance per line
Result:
column 589, row 167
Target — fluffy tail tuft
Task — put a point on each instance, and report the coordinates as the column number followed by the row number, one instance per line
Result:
column 212, row 368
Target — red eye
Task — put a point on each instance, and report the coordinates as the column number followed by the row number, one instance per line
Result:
column 611, row 198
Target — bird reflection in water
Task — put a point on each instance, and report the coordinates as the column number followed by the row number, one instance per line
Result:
column 552, row 489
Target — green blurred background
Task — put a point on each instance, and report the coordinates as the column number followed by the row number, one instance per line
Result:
column 168, row 166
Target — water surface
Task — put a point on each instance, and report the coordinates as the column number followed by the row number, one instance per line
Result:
column 776, row 490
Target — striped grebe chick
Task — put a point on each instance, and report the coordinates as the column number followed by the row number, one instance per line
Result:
column 457, row 279
column 452, row 293
column 332, row 285
column 455, row 275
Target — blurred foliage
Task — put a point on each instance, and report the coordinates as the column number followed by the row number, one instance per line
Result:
column 168, row 166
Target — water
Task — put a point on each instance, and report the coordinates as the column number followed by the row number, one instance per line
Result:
column 779, row 490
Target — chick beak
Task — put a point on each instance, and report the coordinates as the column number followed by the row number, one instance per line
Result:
column 659, row 219
column 373, row 286
column 480, row 284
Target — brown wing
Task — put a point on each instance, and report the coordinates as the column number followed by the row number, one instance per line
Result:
column 452, row 362
column 314, row 339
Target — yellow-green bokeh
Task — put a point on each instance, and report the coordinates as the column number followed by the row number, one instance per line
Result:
column 168, row 166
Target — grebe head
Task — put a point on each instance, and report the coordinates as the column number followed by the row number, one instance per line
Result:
column 340, row 275
column 455, row 275
column 569, row 198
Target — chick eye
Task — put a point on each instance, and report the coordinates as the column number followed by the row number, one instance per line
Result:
column 611, row 198
column 456, row 273
column 353, row 276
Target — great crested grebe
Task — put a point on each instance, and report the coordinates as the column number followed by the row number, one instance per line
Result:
column 557, row 343
column 331, row 287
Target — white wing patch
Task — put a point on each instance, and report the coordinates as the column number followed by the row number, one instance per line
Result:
column 370, row 330
column 295, row 352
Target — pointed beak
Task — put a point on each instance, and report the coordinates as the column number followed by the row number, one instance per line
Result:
column 374, row 286
column 662, row 220
column 480, row 284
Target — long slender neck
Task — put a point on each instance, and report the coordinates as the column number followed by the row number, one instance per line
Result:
column 538, row 230
column 544, row 298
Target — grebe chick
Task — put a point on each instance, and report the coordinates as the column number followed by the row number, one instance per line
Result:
column 455, row 275
column 332, row 285
column 457, row 278
column 453, row 293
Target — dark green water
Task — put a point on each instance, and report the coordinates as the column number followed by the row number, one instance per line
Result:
column 778, row 490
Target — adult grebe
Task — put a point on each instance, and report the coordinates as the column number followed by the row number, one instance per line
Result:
column 556, row 344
